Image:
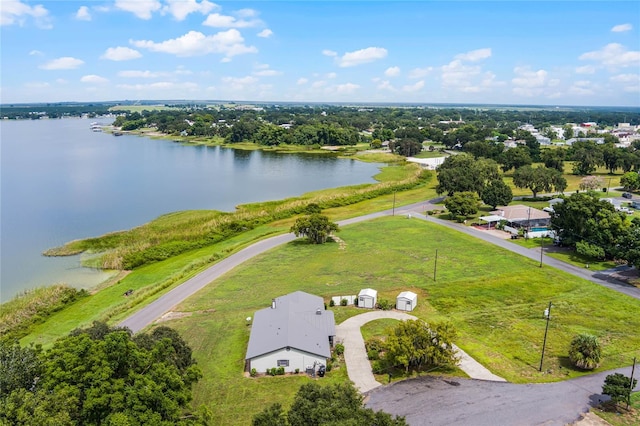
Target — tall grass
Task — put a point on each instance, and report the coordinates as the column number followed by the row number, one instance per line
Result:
column 176, row 233
column 34, row 306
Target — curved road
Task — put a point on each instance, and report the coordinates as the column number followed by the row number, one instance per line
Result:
column 431, row 400
column 165, row 303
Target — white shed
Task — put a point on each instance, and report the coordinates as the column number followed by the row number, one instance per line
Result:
column 406, row 301
column 367, row 298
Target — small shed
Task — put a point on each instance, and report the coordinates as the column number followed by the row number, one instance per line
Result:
column 367, row 298
column 406, row 301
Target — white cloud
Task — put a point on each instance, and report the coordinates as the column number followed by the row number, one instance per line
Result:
column 457, row 74
column 474, row 55
column 217, row 20
column 267, row 73
column 581, row 88
column 302, row 81
column 94, row 79
column 346, row 88
column 413, row 87
column 61, row 81
column 64, row 63
column 143, row 9
column 225, row 60
column 318, row 84
column 239, row 83
column 17, row 12
column 392, row 72
column 120, row 54
column 622, row 28
column 362, row 56
column 331, row 75
column 194, row 43
column 531, row 83
column 138, row 74
column 37, row 85
column 266, row 33
column 180, row 9
column 83, row 14
column 629, row 82
column 247, row 13
column 587, row 69
column 385, row 85
column 160, row 85
column 420, row 72
column 613, row 55
column 327, row 52
column 36, row 53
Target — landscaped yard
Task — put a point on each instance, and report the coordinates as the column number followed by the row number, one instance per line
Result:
column 494, row 298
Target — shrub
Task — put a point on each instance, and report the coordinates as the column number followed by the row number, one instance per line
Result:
column 385, row 305
column 585, row 351
column 339, row 349
column 280, row 371
column 253, row 372
column 377, row 367
column 374, row 344
column 329, row 366
column 332, row 303
column 355, row 302
column 344, row 302
column 373, row 355
column 618, row 387
column 297, row 370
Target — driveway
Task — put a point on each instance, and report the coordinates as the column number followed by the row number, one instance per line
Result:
column 430, row 400
column 355, row 353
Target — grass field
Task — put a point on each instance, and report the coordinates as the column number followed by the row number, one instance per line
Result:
column 494, row 298
column 622, row 416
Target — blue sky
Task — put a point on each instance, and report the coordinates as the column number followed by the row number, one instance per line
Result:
column 545, row 52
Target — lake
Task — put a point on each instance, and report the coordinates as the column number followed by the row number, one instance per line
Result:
column 60, row 181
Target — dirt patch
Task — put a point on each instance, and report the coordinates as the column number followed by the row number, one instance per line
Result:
column 171, row 315
column 630, row 276
column 341, row 244
column 590, row 419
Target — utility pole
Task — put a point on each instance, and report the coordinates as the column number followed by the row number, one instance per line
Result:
column 547, row 312
column 435, row 266
column 394, row 203
column 633, row 369
column 541, row 247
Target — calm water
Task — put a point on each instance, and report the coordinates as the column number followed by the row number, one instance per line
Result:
column 60, row 182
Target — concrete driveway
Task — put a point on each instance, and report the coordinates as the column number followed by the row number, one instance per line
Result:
column 355, row 353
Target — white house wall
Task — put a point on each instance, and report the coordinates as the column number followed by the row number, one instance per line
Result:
column 367, row 302
column 404, row 305
column 297, row 359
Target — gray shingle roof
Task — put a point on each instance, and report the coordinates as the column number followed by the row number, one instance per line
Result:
column 293, row 323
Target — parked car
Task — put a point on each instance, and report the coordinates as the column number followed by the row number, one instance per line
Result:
column 627, row 195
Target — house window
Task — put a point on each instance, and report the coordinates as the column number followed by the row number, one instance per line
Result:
column 283, row 363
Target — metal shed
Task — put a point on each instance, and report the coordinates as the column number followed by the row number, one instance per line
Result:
column 406, row 301
column 367, row 298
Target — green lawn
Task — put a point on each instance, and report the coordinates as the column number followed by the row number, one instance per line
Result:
column 622, row 417
column 494, row 298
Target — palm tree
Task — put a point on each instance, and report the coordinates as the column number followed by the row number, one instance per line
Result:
column 585, row 351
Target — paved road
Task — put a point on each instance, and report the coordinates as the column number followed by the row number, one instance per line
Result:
column 164, row 304
column 444, row 401
column 355, row 354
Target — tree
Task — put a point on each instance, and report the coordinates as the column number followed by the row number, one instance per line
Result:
column 315, row 227
column 567, row 132
column 515, row 158
column 586, row 217
column 462, row 203
column 611, row 157
column 102, row 376
column 459, row 173
column 416, row 344
column 630, row 181
column 591, row 183
column 585, row 351
column 628, row 244
column 316, row 405
column 539, row 179
column 406, row 147
column 497, row 193
column 618, row 387
column 587, row 156
column 554, row 159
column 19, row 367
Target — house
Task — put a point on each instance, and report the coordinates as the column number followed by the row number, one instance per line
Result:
column 521, row 216
column 406, row 301
column 367, row 298
column 296, row 332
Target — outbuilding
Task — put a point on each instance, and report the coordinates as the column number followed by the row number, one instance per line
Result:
column 406, row 301
column 367, row 298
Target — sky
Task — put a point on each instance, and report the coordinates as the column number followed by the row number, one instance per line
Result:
column 583, row 53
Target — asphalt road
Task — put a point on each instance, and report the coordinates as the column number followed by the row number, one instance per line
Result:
column 452, row 401
column 168, row 301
